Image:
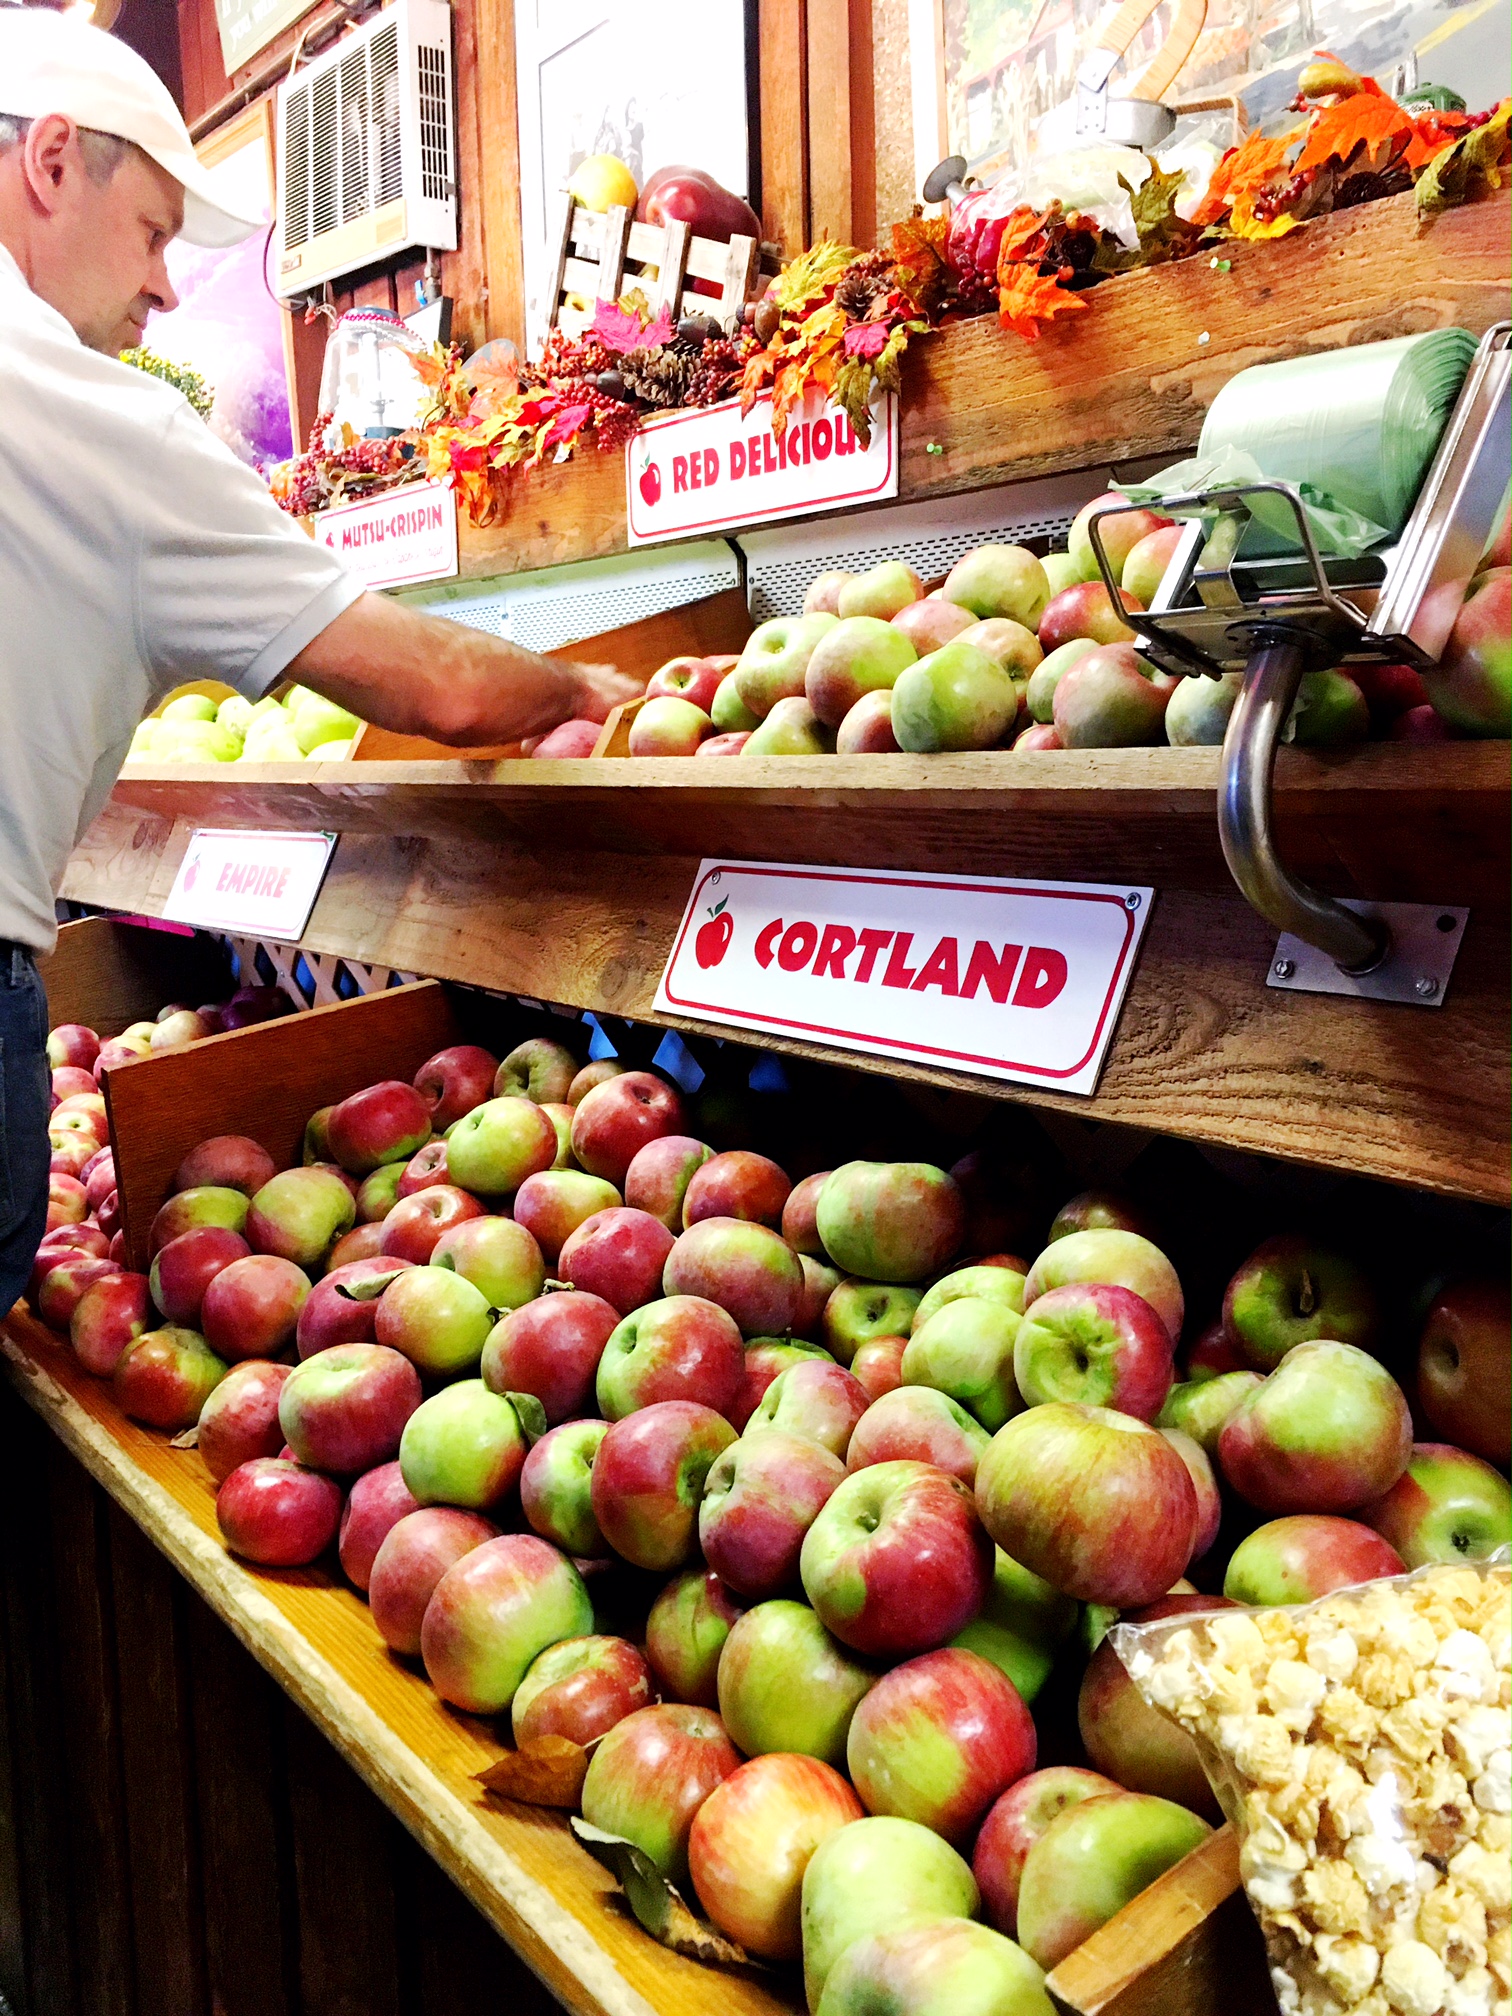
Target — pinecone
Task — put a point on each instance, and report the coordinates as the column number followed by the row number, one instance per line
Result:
column 657, row 377
column 862, row 282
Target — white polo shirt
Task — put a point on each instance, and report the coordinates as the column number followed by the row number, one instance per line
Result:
column 135, row 552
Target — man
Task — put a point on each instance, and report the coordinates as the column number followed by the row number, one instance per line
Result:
column 135, row 551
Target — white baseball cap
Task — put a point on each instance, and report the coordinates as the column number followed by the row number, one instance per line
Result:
column 52, row 63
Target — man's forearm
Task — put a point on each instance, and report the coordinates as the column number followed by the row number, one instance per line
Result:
column 420, row 675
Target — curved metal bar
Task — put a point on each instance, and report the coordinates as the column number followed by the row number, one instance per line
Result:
column 1244, row 815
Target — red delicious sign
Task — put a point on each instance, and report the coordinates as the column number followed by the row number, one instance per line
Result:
column 1013, row 980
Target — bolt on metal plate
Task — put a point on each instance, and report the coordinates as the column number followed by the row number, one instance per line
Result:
column 1425, row 940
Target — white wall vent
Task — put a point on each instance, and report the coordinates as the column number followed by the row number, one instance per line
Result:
column 366, row 148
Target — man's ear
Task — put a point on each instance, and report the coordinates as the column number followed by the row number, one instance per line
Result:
column 50, row 159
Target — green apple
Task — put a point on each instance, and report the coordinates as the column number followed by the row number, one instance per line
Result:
column 1197, row 713
column 1201, row 1407
column 189, row 707
column 1330, row 710
column 786, row 1685
column 951, row 1967
column 876, row 1875
column 1061, row 571
column 1046, row 676
column 1022, row 1623
column 320, row 720
column 966, row 1350
column 996, row 580
column 989, row 1284
column 1446, row 1506
column 464, row 1446
column 1091, row 1860
column 860, row 655
column 882, row 591
column 791, row 728
column 729, row 713
column 775, row 661
column 956, row 698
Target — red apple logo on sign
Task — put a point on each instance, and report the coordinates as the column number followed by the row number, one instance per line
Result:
column 651, row 483
column 191, row 874
column 713, row 940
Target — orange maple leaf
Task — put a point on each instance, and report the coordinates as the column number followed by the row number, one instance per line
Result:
column 1368, row 119
column 1025, row 300
column 1020, row 230
column 1241, row 173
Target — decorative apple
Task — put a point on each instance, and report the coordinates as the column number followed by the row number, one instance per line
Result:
column 683, row 195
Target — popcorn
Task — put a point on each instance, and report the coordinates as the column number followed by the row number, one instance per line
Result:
column 1361, row 1746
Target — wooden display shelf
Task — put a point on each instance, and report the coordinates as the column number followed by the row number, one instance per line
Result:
column 1131, row 378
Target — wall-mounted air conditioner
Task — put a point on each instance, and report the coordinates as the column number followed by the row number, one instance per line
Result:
column 366, row 148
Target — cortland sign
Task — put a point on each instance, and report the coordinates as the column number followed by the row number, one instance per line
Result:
column 406, row 535
column 1015, row 980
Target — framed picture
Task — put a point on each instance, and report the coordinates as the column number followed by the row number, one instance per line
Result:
column 227, row 326
column 652, row 81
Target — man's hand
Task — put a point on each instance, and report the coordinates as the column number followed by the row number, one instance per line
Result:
column 601, row 688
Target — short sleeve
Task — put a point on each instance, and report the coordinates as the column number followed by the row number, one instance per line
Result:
column 228, row 586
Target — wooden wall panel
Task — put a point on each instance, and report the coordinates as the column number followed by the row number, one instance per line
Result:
column 783, row 74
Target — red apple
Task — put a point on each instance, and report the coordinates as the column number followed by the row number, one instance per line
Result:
column 334, row 1315
column 415, row 1225
column 594, row 1073
column 686, row 1632
column 1101, row 1211
column 736, row 1184
column 1119, row 535
column 412, row 1557
column 570, row 739
column 799, row 1226
column 1291, row 1291
column 822, row 597
column 1145, row 563
column 1205, row 1484
column 1464, row 1368
column 454, row 1081
column 344, row 1409
column 620, row 1255
column 878, row 1366
column 729, row 744
column 1446, row 1506
column 251, row 1308
column 897, row 1561
column 184, row 1268
column 497, row 1255
column 819, row 1283
column 113, row 1311
column 164, row 1378
column 1296, row 1560
column 1471, row 686
column 277, row 1513
column 1213, row 1356
column 648, row 1477
column 64, row 1286
column 1085, row 610
column 747, row 1269
column 890, row 1221
column 386, row 1122
column 67, row 1201
column 815, row 1399
column 650, row 1775
column 375, row 1504
column 1143, row 1750
column 1328, row 1431
column 363, row 1242
column 1016, row 1822
column 616, row 1119
column 931, row 622
column 680, row 1348
column 692, row 679
column 751, row 1841
column 580, row 1688
column 99, row 1177
column 57, row 1246
column 917, row 1424
column 658, row 1177
column 556, row 1488
column 553, row 1203
column 763, row 1361
column 69, row 1079
column 492, row 1613
column 239, row 1420
column 550, row 1347
column 760, row 1498
column 867, row 729
column 71, row 1044
column 426, row 1168
column 1093, row 1342
column 691, row 196
column 71, row 1156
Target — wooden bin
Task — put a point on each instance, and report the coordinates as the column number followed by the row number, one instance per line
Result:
column 603, row 254
column 107, row 973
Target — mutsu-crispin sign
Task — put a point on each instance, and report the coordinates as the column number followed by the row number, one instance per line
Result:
column 1016, row 980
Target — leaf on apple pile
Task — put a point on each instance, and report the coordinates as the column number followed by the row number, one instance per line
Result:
column 544, row 1771
column 530, row 1414
column 188, row 1440
column 1026, row 299
column 657, row 1905
column 1470, row 168
column 368, row 1290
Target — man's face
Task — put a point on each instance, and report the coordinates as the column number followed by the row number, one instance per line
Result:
column 122, row 230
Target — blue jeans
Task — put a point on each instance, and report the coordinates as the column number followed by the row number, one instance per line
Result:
column 24, row 1150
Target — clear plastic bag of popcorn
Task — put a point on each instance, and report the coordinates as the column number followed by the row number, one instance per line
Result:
column 1360, row 1746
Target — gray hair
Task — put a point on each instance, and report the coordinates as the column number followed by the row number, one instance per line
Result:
column 103, row 152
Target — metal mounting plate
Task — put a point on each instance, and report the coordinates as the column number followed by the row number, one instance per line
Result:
column 1425, row 939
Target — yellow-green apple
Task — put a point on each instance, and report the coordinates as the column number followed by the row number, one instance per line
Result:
column 113, row 1311
column 1094, row 1342
column 748, row 1269
column 823, row 592
column 680, row 1348
column 863, row 654
column 991, row 1283
column 597, row 1072
column 315, row 1146
column 619, row 1254
column 799, row 1226
column 71, row 1043
column 1297, row 1559
column 879, row 1875
column 791, row 728
column 492, row 1149
column 561, row 1118
column 1111, row 699
column 950, row 1965
column 1119, row 535
column 967, row 1350
column 411, row 1559
column 1201, row 1407
column 751, row 1841
column 878, row 1365
column 122, row 1049
column 693, row 679
column 205, row 1204
column 277, row 1513
column 956, row 698
column 226, row 1162
column 1143, row 1750
column 728, row 712
column 492, row 1613
column 71, row 1156
column 760, row 1498
column 858, row 1311
column 1085, row 610
column 556, row 1488
column 881, row 591
column 164, row 1377
column 437, row 1319
column 938, row 1739
column 648, row 1478
column 1471, row 686
column 1205, row 1484
column 1093, row 1859
column 668, row 727
column 1096, row 1502
column 616, row 1119
column 867, row 729
column 297, row 1215
column 1292, row 1290
column 1117, row 1258
column 995, row 580
column 1330, row 710
column 736, row 1184
column 1020, row 1626
column 184, row 1025
column 1016, row 1822
column 378, row 1192
column 1145, row 562
column 251, row 1308
column 550, row 1347
column 454, row 1081
column 776, row 658
column 890, row 1221
column 342, row 1307
column 919, row 1424
column 239, row 1420
column 464, row 1446
column 649, row 1776
column 415, row 1224
column 1328, row 1431
column 386, row 1122
column 657, row 1180
column 345, row 1409
column 1446, row 1506
column 66, row 1283
column 786, row 1685
column 686, row 1632
column 580, row 1688
column 1464, row 1368
column 498, row 1255
column 376, row 1503
column 897, row 1560
column 928, row 623
column 820, row 1281
column 1197, row 713
column 183, row 1269
column 815, row 1399
column 1008, row 644
column 68, row 1201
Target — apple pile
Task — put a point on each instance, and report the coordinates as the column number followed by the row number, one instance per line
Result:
column 192, row 728
column 799, row 1510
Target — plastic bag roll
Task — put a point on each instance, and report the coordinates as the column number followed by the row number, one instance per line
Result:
column 1358, row 425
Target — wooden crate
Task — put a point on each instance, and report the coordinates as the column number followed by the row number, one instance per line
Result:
column 603, row 254
column 106, row 973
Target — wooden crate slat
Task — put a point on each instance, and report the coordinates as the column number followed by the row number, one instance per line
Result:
column 579, row 276
column 671, row 262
